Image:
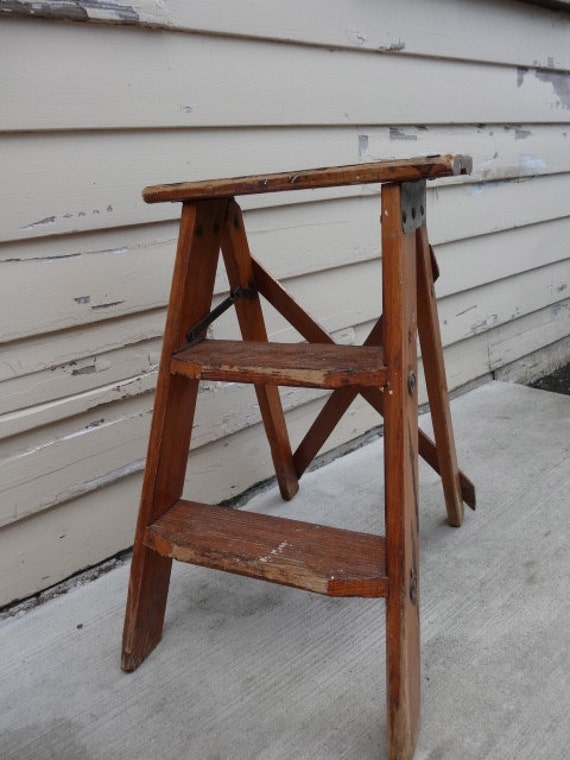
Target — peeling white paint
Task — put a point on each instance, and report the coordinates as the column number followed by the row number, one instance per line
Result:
column 41, row 223
column 529, row 164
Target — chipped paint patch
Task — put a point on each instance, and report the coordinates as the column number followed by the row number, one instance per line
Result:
column 40, row 223
column 518, row 131
column 357, row 37
column 399, row 134
column 560, row 81
column 275, row 552
column 90, row 369
column 362, row 145
column 479, row 188
column 521, row 73
column 107, row 305
column 394, row 47
column 530, row 164
column 461, row 313
column 72, row 10
column 82, row 299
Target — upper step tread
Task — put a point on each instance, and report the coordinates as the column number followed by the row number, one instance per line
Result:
column 309, row 365
column 317, row 558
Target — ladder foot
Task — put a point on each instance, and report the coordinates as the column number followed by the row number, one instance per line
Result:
column 146, row 605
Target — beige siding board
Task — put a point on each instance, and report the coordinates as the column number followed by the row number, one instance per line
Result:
column 523, row 336
column 75, row 457
column 411, row 28
column 476, row 261
column 90, row 381
column 149, row 79
column 499, row 151
column 41, row 551
column 83, row 454
column 15, row 422
column 488, row 351
column 470, row 210
column 466, row 314
column 71, row 291
column 72, row 288
column 478, row 31
column 59, row 309
column 79, row 290
column 100, row 188
column 61, row 349
column 117, row 372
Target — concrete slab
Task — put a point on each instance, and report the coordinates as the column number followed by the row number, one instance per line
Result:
column 250, row 670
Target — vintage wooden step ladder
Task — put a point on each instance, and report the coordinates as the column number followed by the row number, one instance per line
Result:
column 313, row 557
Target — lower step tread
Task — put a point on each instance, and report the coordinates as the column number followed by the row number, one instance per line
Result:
column 317, row 558
column 308, row 365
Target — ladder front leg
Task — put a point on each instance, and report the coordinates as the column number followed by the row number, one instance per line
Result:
column 175, row 402
column 401, row 479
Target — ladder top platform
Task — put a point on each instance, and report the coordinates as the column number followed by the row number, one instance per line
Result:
column 402, row 170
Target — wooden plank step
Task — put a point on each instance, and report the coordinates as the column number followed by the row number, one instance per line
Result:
column 308, row 365
column 317, row 558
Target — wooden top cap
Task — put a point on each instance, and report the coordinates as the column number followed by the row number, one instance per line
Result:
column 403, row 170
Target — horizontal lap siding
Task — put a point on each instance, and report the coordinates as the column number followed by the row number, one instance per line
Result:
column 208, row 91
column 289, row 85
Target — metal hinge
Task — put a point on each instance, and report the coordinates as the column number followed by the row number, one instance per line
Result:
column 197, row 331
column 413, row 205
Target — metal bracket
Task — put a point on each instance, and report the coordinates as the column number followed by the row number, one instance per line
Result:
column 196, row 332
column 413, row 205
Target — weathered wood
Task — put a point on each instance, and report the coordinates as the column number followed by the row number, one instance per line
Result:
column 307, row 365
column 281, row 300
column 175, row 402
column 330, row 415
column 340, row 400
column 326, row 560
column 239, row 266
column 403, row 170
column 314, row 557
column 401, row 479
column 436, row 380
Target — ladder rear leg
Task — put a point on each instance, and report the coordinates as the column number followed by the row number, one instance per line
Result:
column 436, row 381
column 239, row 265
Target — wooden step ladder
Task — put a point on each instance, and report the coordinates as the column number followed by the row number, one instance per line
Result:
column 384, row 370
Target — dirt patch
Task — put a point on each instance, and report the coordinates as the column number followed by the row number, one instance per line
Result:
column 557, row 382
